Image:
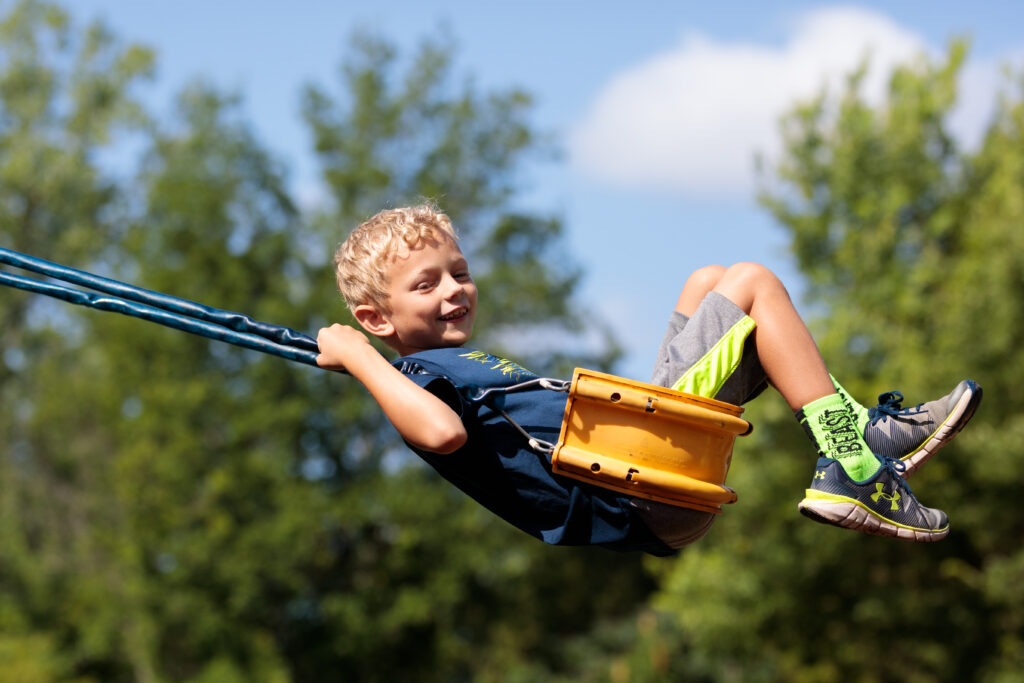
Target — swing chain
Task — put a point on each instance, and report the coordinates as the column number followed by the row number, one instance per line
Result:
column 559, row 385
column 480, row 395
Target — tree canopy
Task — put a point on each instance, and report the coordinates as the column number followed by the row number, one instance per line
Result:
column 179, row 510
column 172, row 509
column 909, row 247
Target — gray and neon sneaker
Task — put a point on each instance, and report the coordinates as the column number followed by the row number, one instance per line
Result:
column 882, row 505
column 912, row 435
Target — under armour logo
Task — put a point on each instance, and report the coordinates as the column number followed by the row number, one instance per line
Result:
column 820, row 474
column 893, row 499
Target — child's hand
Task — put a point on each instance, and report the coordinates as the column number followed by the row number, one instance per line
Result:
column 339, row 345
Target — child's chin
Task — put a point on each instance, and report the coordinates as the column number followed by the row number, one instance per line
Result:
column 456, row 339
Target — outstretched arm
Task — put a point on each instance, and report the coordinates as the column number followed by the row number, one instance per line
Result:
column 421, row 418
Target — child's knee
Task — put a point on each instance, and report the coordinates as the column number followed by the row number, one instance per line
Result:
column 697, row 286
column 755, row 274
column 705, row 279
column 745, row 282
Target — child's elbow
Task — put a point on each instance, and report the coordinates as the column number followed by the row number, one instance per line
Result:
column 447, row 439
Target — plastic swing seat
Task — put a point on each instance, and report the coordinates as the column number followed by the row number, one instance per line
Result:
column 648, row 441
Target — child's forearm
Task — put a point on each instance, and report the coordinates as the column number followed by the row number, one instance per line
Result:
column 421, row 418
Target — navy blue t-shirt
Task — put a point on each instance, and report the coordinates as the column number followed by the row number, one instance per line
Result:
column 497, row 467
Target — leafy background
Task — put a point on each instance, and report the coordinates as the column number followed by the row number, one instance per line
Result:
column 176, row 510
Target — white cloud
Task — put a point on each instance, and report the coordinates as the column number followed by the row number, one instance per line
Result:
column 691, row 119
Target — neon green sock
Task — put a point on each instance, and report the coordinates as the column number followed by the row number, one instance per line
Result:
column 831, row 426
column 860, row 413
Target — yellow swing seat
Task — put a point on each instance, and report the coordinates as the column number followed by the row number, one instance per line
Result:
column 648, row 441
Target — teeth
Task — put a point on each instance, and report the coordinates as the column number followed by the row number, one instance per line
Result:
column 454, row 314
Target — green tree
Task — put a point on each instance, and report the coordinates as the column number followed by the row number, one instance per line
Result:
column 392, row 138
column 175, row 509
column 66, row 96
column 912, row 251
column 459, row 594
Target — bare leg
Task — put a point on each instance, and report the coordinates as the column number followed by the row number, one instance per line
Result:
column 697, row 287
column 787, row 351
column 856, row 477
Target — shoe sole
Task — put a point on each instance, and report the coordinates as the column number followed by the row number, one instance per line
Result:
column 849, row 514
column 955, row 422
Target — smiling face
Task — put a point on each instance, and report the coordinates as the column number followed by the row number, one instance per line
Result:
column 431, row 298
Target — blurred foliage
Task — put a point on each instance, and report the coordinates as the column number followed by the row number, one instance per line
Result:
column 912, row 252
column 172, row 509
column 392, row 139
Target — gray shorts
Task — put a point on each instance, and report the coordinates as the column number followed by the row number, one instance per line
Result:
column 704, row 355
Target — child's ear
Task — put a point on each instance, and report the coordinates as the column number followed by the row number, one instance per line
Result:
column 373, row 321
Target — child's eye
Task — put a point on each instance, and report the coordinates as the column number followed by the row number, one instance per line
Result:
column 462, row 275
column 424, row 286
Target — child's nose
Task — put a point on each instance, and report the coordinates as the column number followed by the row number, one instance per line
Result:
column 453, row 288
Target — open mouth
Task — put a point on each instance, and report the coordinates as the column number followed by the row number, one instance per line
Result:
column 457, row 314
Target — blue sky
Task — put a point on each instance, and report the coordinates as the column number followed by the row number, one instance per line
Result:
column 658, row 106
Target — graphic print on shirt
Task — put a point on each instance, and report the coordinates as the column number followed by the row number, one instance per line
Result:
column 506, row 367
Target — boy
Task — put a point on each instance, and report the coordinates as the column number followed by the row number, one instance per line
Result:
column 734, row 331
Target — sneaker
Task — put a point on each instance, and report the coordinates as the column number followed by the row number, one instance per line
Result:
column 882, row 504
column 913, row 435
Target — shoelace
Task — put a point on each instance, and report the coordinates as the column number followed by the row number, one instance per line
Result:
column 890, row 404
column 896, row 468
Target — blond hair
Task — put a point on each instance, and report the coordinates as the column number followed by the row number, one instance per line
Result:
column 362, row 260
